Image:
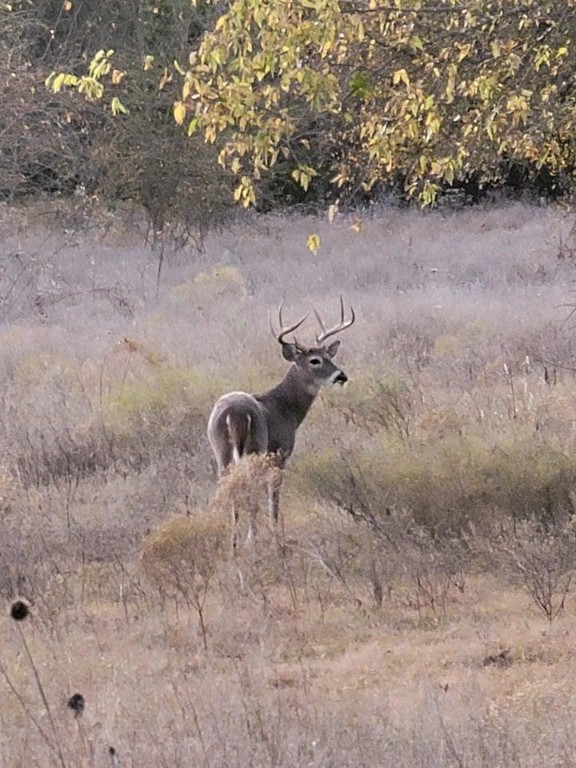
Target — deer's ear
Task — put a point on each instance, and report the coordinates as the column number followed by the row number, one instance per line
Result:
column 332, row 348
column 290, row 351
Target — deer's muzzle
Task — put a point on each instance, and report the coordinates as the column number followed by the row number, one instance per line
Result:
column 340, row 378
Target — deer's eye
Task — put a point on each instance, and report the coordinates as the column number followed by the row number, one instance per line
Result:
column 315, row 361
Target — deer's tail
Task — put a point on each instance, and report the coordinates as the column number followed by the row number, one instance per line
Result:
column 239, row 433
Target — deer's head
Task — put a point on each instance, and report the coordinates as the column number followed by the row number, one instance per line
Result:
column 315, row 364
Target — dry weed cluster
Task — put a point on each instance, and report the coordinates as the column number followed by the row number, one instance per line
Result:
column 415, row 605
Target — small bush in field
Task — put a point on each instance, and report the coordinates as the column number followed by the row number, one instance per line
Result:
column 181, row 556
column 398, row 558
column 182, row 550
column 35, row 369
column 221, row 281
column 450, row 346
column 208, row 289
column 544, row 557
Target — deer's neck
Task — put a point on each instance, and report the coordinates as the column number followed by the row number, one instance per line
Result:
column 292, row 397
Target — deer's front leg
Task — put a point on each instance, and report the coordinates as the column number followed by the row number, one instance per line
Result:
column 274, row 485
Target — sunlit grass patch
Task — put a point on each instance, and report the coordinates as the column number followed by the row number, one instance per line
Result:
column 161, row 402
column 36, row 369
column 159, row 392
column 209, row 287
column 222, row 279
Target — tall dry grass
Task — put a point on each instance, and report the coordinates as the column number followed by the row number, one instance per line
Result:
column 407, row 613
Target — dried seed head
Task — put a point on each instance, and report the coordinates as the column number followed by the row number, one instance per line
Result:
column 19, row 610
column 76, row 702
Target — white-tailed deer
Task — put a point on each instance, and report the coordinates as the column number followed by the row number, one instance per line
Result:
column 241, row 424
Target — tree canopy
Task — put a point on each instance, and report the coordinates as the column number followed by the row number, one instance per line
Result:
column 359, row 95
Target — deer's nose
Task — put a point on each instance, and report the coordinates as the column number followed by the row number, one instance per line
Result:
column 340, row 378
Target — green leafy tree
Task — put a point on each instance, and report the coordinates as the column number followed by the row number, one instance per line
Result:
column 366, row 93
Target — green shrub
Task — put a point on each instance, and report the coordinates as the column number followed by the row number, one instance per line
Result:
column 445, row 482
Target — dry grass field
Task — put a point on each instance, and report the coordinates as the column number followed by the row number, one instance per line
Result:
column 416, row 609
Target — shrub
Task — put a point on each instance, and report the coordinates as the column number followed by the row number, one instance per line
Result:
column 244, row 486
column 446, row 482
column 180, row 557
column 378, row 401
column 543, row 556
column 183, row 552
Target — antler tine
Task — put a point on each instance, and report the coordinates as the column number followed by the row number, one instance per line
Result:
column 321, row 324
column 285, row 330
column 342, row 325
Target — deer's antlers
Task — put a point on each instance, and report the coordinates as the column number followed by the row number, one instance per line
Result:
column 342, row 325
column 285, row 330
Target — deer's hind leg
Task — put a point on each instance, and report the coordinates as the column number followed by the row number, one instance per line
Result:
column 256, row 446
column 252, row 516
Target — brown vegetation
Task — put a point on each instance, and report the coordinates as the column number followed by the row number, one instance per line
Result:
column 418, row 607
column 58, row 144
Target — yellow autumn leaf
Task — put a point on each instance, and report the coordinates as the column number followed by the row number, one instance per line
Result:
column 164, row 79
column 400, row 76
column 117, row 108
column 179, row 112
column 178, row 67
column 313, row 243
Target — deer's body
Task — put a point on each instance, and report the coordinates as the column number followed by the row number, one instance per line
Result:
column 242, row 424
